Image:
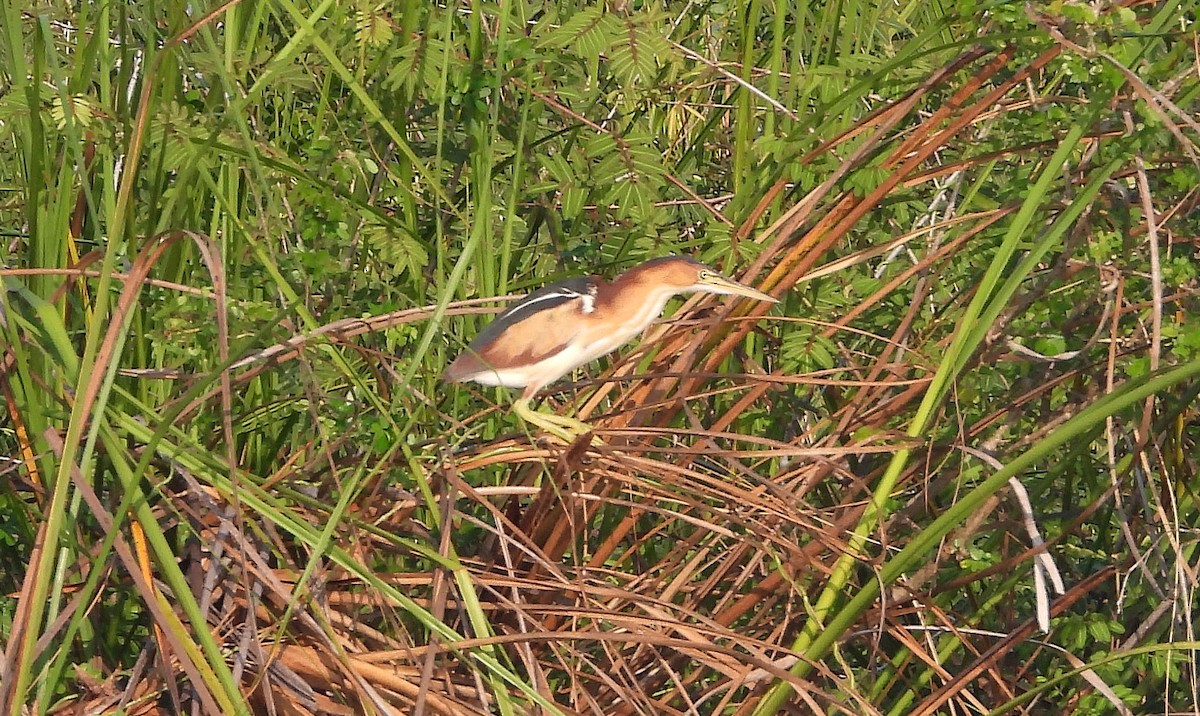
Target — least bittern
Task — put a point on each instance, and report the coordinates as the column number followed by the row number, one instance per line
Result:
column 560, row 327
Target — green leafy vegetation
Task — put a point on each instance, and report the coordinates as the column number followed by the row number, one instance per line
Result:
column 242, row 241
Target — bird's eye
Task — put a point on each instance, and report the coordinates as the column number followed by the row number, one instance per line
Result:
column 705, row 275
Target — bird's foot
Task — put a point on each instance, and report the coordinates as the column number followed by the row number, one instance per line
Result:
column 562, row 427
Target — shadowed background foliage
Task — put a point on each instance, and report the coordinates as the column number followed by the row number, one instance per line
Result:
column 242, row 240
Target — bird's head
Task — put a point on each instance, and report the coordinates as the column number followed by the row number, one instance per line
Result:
column 687, row 275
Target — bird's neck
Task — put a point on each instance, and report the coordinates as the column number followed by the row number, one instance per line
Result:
column 634, row 301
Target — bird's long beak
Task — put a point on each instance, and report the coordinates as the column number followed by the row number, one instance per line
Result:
column 715, row 283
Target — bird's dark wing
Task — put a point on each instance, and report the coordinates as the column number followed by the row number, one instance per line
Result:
column 578, row 288
column 538, row 326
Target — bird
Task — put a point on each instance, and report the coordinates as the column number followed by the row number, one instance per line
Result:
column 567, row 324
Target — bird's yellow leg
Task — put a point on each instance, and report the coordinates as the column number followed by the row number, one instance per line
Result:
column 563, row 427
